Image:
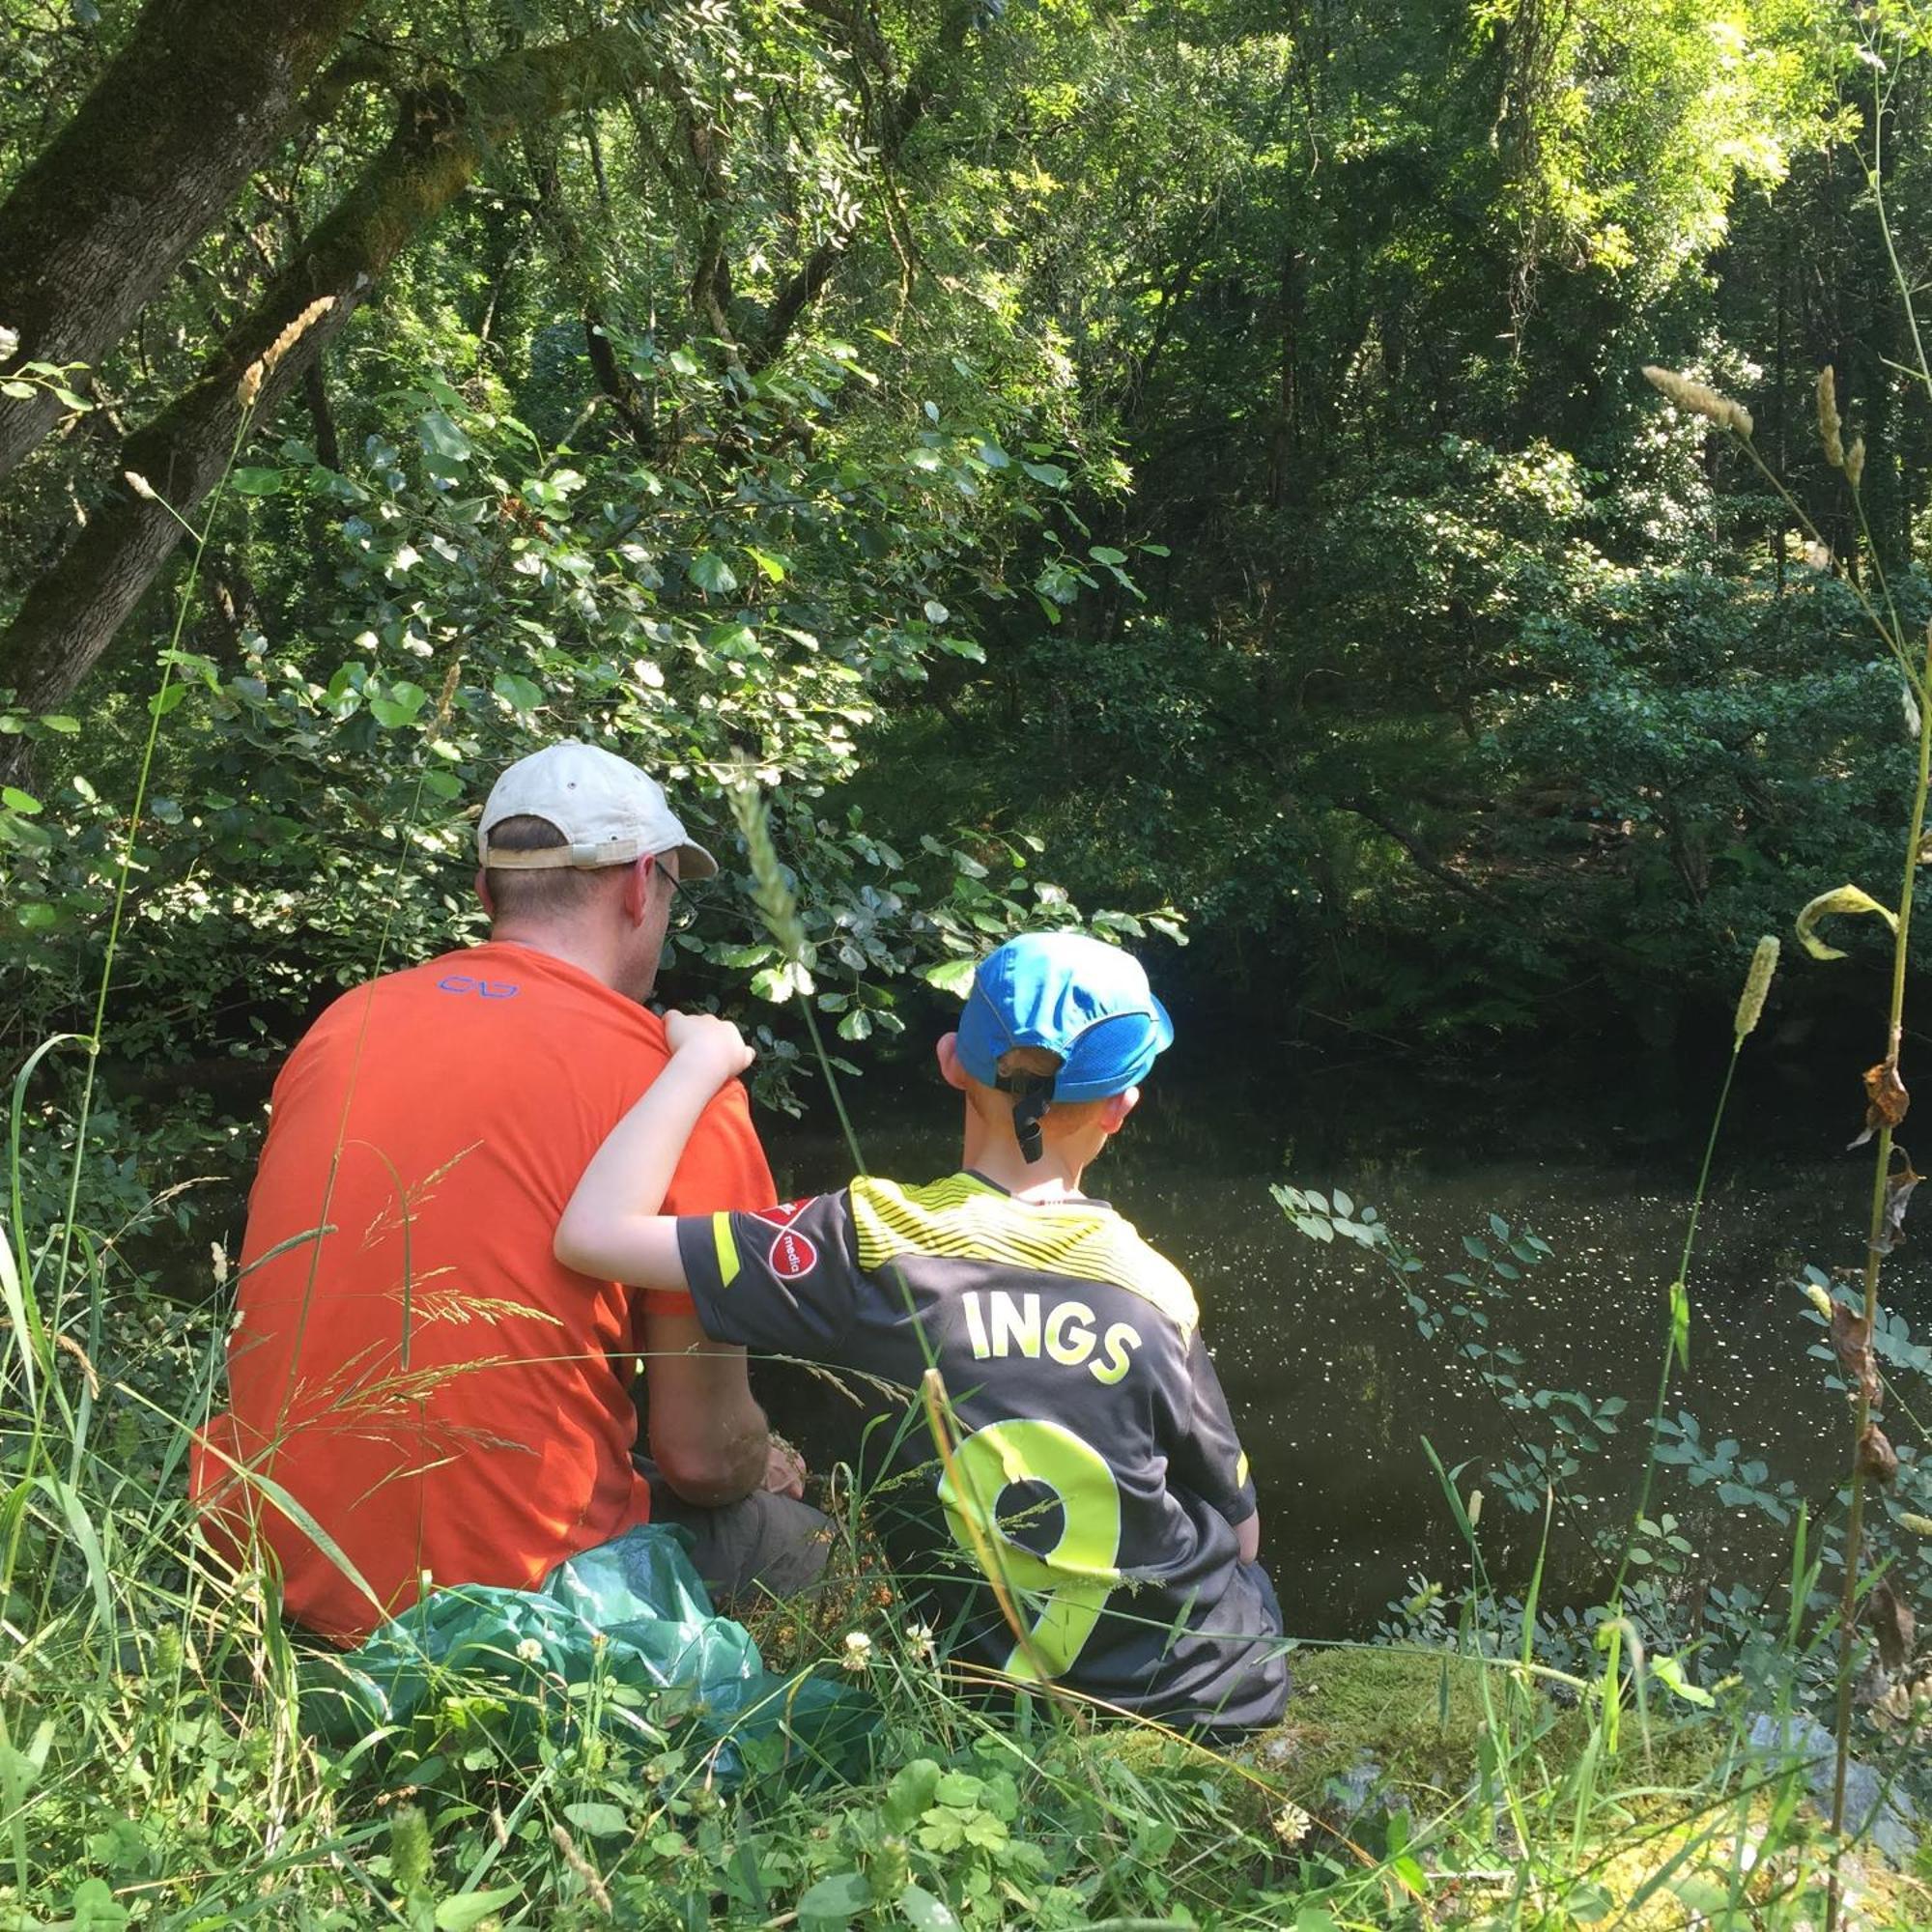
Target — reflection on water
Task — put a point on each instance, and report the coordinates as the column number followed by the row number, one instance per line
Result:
column 1333, row 1388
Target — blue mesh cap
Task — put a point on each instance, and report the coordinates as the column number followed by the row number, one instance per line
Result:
column 1077, row 997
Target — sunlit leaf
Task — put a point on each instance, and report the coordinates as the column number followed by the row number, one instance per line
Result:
column 1845, row 899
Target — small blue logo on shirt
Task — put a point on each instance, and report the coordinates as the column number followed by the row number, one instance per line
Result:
column 484, row 989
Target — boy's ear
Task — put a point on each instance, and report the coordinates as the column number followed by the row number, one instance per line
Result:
column 1116, row 1108
column 947, row 1053
column 483, row 892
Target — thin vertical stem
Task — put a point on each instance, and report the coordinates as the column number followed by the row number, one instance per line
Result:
column 1848, row 1603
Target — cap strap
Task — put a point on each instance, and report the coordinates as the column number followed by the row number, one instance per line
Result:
column 1032, row 1095
column 553, row 858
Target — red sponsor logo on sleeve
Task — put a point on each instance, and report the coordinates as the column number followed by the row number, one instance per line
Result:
column 793, row 1255
column 784, row 1213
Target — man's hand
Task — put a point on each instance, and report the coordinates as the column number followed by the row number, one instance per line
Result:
column 784, row 1470
column 712, row 1043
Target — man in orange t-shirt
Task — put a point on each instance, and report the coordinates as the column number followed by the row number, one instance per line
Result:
column 410, row 1365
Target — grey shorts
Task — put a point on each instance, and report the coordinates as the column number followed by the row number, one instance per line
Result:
column 761, row 1547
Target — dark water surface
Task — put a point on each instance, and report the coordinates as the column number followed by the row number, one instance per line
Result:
column 1333, row 1388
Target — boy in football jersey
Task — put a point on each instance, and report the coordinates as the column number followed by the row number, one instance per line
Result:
column 1095, row 1449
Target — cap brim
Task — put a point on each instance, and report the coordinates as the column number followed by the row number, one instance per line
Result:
column 694, row 862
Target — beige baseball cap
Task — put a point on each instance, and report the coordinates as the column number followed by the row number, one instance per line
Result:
column 609, row 811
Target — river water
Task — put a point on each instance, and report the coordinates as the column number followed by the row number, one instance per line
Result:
column 1331, row 1384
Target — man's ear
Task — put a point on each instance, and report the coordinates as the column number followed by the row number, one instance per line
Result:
column 947, row 1053
column 638, row 888
column 483, row 892
column 1116, row 1108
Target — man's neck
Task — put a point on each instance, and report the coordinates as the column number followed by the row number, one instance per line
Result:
column 572, row 945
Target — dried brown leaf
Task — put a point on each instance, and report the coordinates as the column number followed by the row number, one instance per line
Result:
column 1851, row 1343
column 1891, row 1623
column 1887, row 1102
column 1898, row 1187
column 1877, row 1457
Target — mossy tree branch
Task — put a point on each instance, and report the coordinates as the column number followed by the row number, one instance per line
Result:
column 443, row 139
column 110, row 209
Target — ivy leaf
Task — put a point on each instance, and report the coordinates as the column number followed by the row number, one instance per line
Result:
column 710, row 572
column 1844, row 899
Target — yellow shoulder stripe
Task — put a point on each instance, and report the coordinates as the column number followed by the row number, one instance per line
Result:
column 964, row 1219
column 727, row 1249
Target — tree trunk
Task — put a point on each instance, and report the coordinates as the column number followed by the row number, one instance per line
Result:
column 184, row 113
column 72, row 613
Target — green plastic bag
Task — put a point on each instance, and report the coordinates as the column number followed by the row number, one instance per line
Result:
column 628, row 1616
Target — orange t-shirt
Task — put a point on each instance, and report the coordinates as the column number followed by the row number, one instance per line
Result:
column 409, row 1361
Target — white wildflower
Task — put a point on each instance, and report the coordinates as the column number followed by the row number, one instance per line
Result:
column 530, row 1650
column 1291, row 1824
column 858, row 1651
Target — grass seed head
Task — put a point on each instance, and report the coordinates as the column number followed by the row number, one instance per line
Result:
column 1758, row 983
column 771, row 890
column 140, row 486
column 265, row 365
column 1699, row 399
column 410, row 1860
column 1819, row 1299
column 1854, row 461
column 1830, row 430
column 1918, row 1525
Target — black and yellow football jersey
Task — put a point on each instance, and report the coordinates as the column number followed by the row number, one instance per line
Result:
column 1096, row 1447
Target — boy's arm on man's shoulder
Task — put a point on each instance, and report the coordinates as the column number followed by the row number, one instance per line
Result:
column 782, row 1279
column 614, row 1227
column 723, row 1167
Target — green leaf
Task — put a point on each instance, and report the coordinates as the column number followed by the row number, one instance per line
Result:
column 441, row 437
column 1680, row 1323
column 710, row 572
column 1049, row 473
column 844, row 1896
column 520, row 694
column 950, row 976
column 21, row 392
column 1669, row 1672
column 1105, row 554
column 67, row 727
column 399, row 705
column 96, row 1908
column 1844, row 899
column 926, row 1912
column 16, row 800
column 471, row 1908
column 910, row 1793
column 250, row 481
column 599, row 1820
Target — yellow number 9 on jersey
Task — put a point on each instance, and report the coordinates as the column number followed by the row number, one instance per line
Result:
column 1071, row 1582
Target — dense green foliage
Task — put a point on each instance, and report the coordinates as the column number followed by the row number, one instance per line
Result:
column 1210, row 443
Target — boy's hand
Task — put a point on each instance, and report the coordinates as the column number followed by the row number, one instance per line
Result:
column 715, row 1042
